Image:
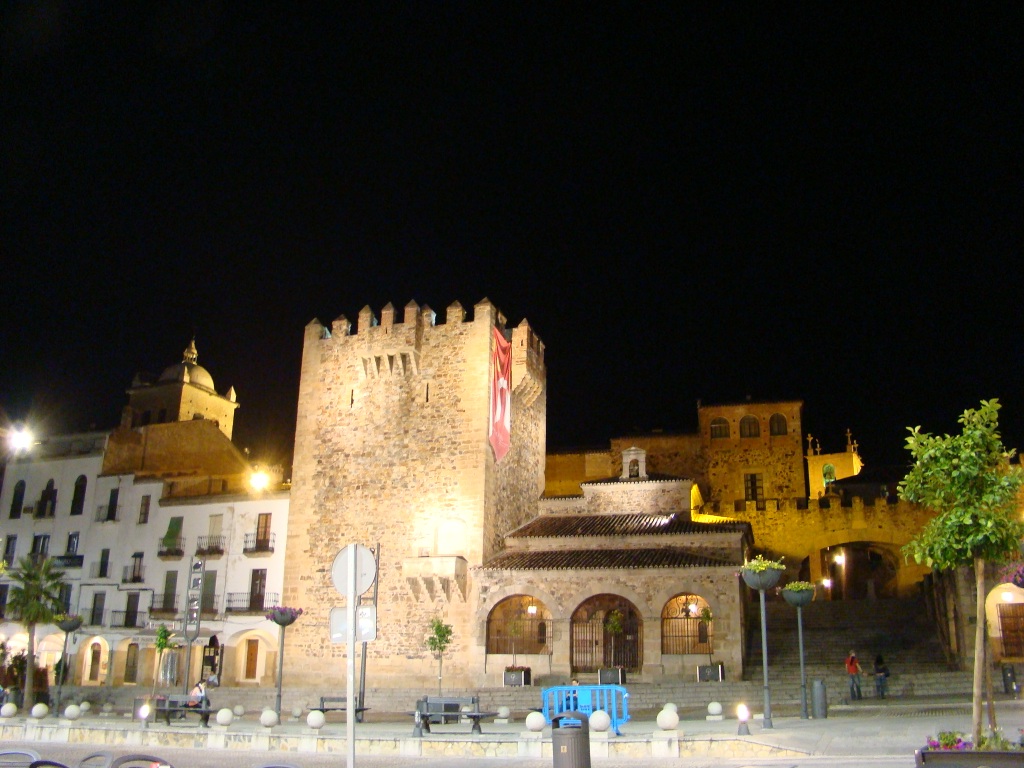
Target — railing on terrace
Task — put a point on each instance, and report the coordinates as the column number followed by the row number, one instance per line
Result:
column 108, row 514
column 171, row 547
column 128, row 619
column 251, row 602
column 100, row 570
column 94, row 618
column 166, row 603
column 133, row 574
column 210, row 545
column 255, row 542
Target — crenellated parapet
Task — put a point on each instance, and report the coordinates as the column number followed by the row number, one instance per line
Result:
column 528, row 372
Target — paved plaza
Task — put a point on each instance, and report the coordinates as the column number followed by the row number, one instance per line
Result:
column 880, row 735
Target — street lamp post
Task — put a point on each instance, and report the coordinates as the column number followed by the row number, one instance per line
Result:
column 67, row 625
column 798, row 599
column 762, row 580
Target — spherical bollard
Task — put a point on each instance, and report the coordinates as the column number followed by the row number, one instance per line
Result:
column 503, row 713
column 225, row 716
column 108, row 708
column 535, row 722
column 315, row 719
column 268, row 718
column 671, row 706
column 668, row 720
column 72, row 712
column 296, row 712
column 85, row 706
column 600, row 721
column 10, row 709
column 39, row 711
column 714, row 708
column 239, row 710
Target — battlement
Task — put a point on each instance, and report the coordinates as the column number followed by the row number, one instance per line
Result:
column 802, row 505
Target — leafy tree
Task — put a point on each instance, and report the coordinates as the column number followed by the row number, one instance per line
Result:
column 162, row 643
column 968, row 481
column 614, row 625
column 438, row 640
column 35, row 598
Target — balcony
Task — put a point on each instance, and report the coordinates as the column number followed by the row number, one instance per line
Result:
column 258, row 544
column 210, row 546
column 164, row 605
column 171, row 548
column 68, row 561
column 94, row 618
column 250, row 602
column 100, row 570
column 108, row 514
column 128, row 619
column 133, row 574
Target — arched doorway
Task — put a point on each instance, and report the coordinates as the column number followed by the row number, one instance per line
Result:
column 520, row 624
column 860, row 570
column 595, row 646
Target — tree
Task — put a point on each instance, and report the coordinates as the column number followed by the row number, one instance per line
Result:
column 161, row 643
column 438, row 640
column 35, row 599
column 614, row 625
column 968, row 481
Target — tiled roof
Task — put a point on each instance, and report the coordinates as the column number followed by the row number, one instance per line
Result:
column 621, row 525
column 592, row 559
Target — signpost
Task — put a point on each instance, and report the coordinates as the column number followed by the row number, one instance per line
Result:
column 353, row 572
column 193, row 611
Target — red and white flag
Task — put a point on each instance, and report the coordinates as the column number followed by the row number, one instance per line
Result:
column 501, row 398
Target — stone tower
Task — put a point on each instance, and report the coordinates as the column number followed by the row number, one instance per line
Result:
column 391, row 448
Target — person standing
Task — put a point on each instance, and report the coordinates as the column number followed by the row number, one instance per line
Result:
column 881, row 676
column 854, row 671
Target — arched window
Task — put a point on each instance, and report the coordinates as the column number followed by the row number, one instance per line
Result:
column 750, row 427
column 687, row 625
column 18, row 500
column 78, row 500
column 719, row 429
column 777, row 424
column 48, row 500
column 518, row 624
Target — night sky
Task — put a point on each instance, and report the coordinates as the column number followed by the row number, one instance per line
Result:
column 707, row 201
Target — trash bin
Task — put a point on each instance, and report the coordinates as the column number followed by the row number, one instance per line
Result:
column 570, row 747
column 819, row 701
column 1009, row 678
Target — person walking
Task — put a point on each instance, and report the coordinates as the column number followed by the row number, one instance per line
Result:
column 881, row 676
column 854, row 671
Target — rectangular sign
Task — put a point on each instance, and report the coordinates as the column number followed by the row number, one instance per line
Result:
column 366, row 624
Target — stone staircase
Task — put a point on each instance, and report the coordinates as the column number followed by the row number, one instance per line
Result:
column 898, row 629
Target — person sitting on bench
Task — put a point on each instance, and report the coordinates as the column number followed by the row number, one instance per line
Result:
column 197, row 698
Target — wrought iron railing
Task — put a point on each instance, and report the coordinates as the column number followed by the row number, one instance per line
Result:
column 100, row 570
column 133, row 574
column 171, row 546
column 251, row 602
column 128, row 619
column 210, row 545
column 255, row 542
column 94, row 618
column 686, row 635
column 105, row 513
column 166, row 603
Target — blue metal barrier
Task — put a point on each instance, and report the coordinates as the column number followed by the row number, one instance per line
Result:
column 613, row 699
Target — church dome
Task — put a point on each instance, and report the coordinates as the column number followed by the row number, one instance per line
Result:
column 189, row 370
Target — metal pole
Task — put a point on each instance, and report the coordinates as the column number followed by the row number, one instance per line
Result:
column 63, row 673
column 764, row 661
column 803, row 671
column 362, row 662
column 280, row 672
column 350, row 687
column 188, row 666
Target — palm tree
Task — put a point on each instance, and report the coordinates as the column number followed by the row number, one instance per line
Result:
column 35, row 598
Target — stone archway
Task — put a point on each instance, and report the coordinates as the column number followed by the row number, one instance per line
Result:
column 861, row 570
column 593, row 647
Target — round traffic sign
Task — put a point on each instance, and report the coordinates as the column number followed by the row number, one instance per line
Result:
column 366, row 569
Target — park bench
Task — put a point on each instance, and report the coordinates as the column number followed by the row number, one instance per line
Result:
column 340, row 704
column 441, row 710
column 179, row 704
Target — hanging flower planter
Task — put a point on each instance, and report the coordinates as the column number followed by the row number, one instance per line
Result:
column 283, row 616
column 70, row 623
column 762, row 574
column 798, row 593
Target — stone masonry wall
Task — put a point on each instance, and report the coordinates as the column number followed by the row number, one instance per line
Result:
column 391, row 448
